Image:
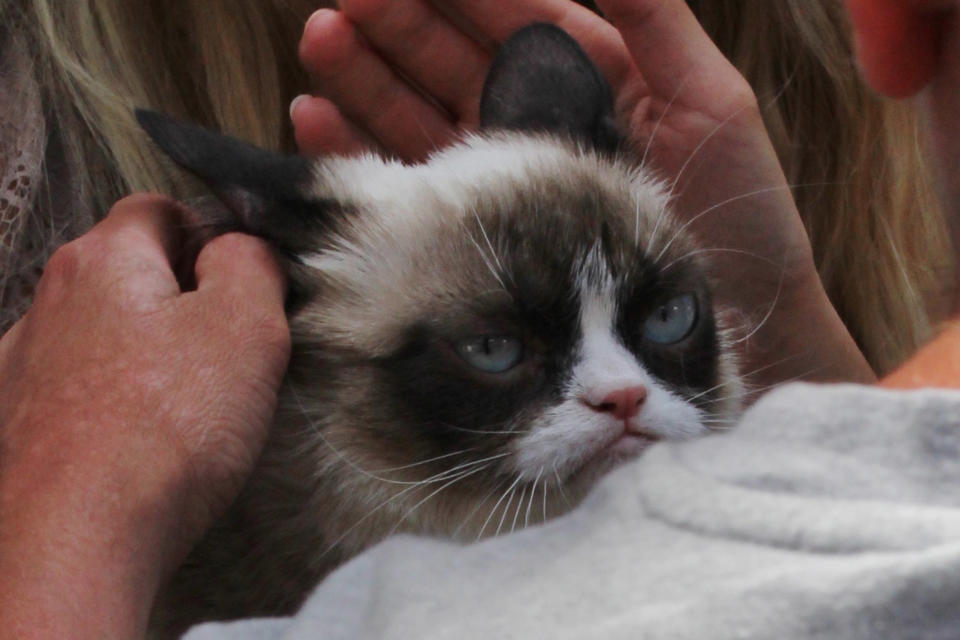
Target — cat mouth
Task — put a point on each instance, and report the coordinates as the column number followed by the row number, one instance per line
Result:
column 629, row 444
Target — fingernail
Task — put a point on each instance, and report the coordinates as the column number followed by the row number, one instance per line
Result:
column 313, row 16
column 296, row 101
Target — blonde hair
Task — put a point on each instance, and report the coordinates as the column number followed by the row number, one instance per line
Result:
column 227, row 64
column 860, row 177
column 231, row 64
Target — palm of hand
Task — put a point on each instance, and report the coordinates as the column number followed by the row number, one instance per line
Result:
column 689, row 113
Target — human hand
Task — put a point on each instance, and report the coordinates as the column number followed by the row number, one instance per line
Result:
column 131, row 413
column 687, row 110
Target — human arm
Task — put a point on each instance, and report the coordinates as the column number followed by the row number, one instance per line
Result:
column 687, row 110
column 130, row 413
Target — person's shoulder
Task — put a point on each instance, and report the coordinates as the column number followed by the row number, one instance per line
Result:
column 936, row 365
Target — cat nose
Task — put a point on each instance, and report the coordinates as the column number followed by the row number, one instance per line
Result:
column 622, row 403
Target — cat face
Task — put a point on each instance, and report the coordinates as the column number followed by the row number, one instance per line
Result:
column 474, row 335
column 519, row 314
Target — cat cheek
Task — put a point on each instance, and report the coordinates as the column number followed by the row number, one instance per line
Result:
column 563, row 439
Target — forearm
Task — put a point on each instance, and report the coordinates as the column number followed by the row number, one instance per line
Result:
column 85, row 542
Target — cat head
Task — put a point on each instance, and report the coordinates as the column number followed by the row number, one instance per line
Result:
column 519, row 311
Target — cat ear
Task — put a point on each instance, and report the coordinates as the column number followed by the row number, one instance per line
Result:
column 265, row 193
column 541, row 80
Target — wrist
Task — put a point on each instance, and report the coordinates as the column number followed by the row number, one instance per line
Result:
column 803, row 338
column 88, row 537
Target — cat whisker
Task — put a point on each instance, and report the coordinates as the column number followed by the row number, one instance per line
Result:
column 456, row 479
column 496, row 272
column 643, row 163
column 516, row 513
column 443, row 475
column 526, row 519
column 473, row 512
column 740, row 394
column 423, row 462
column 319, row 434
column 702, row 144
column 512, row 431
column 766, row 317
column 742, row 196
column 761, row 389
column 494, row 509
column 695, row 252
column 563, row 494
column 426, row 134
column 770, row 365
column 697, row 396
column 506, row 509
column 487, row 262
column 800, row 376
column 656, row 126
column 683, row 227
column 546, row 487
column 661, row 215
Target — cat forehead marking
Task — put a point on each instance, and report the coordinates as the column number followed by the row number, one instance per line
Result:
column 416, row 240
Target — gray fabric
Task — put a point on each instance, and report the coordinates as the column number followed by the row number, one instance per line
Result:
column 830, row 512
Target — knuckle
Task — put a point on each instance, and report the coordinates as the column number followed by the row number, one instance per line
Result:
column 241, row 248
column 138, row 201
column 67, row 261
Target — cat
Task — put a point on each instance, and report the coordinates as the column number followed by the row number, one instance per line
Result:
column 477, row 338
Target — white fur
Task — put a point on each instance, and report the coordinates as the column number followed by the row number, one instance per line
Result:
column 390, row 191
column 568, row 435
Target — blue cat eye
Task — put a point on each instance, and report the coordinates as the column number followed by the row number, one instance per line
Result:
column 491, row 354
column 671, row 322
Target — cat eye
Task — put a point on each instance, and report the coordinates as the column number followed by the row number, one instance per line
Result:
column 673, row 321
column 491, row 354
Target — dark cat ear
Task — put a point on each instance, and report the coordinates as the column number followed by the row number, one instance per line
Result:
column 264, row 192
column 541, row 80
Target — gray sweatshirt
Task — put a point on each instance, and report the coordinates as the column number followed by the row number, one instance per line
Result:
column 830, row 512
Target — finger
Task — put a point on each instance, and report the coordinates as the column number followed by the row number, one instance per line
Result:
column 444, row 62
column 156, row 219
column 598, row 38
column 673, row 53
column 897, row 43
column 144, row 233
column 368, row 92
column 320, row 128
column 243, row 268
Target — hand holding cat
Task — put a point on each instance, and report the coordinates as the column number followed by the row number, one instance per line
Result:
column 686, row 109
column 131, row 413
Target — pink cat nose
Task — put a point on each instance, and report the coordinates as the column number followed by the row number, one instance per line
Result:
column 622, row 403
